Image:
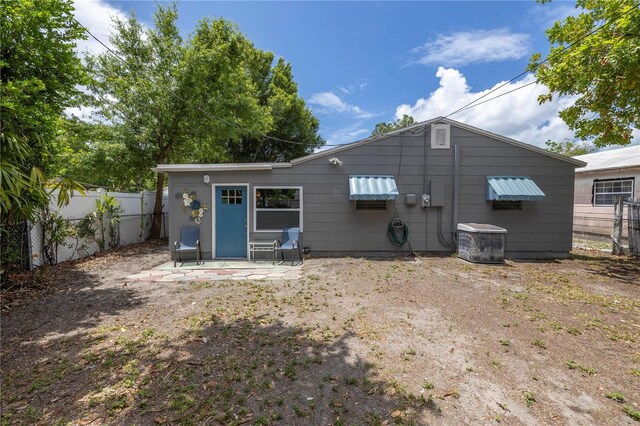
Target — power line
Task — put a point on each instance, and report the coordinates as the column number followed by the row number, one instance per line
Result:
column 564, row 50
column 498, row 96
column 222, row 120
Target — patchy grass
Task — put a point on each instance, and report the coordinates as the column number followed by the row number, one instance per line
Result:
column 632, row 412
column 616, row 396
column 354, row 341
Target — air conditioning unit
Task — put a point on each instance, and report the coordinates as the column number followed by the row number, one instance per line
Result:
column 440, row 136
column 481, row 243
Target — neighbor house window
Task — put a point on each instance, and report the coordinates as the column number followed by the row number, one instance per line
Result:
column 277, row 207
column 605, row 192
column 371, row 204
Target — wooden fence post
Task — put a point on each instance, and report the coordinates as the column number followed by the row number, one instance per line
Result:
column 616, row 236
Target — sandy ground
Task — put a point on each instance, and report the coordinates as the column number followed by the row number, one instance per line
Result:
column 432, row 340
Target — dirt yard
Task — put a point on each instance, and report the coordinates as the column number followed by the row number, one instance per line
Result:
column 434, row 340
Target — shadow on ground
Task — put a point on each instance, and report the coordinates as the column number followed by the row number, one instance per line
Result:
column 622, row 268
column 221, row 371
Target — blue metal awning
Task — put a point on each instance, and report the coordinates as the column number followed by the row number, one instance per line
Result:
column 512, row 188
column 372, row 188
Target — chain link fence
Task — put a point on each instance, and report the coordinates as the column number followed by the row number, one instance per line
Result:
column 15, row 247
column 25, row 245
column 599, row 230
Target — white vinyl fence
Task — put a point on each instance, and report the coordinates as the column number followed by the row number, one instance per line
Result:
column 134, row 226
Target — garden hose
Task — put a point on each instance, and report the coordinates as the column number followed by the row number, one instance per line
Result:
column 396, row 239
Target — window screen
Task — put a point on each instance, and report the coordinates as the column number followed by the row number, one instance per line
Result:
column 605, row 192
column 276, row 208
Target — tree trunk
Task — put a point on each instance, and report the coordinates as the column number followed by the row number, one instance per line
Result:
column 156, row 221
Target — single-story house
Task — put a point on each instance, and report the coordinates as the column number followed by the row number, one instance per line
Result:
column 607, row 175
column 432, row 175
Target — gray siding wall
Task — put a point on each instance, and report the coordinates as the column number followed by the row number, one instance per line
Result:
column 331, row 224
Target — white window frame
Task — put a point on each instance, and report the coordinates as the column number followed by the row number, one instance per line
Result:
column 255, row 206
column 595, row 192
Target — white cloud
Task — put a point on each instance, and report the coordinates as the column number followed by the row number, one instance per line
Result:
column 468, row 47
column 547, row 14
column 516, row 115
column 360, row 84
column 330, row 103
column 97, row 17
column 348, row 134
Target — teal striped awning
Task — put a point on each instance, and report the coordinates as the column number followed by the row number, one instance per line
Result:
column 372, row 188
column 512, row 188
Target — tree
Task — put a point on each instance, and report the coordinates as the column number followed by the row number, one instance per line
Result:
column 602, row 69
column 173, row 100
column 568, row 148
column 39, row 71
column 290, row 117
column 93, row 153
column 400, row 123
column 208, row 99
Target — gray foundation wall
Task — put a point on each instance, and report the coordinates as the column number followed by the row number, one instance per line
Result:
column 333, row 226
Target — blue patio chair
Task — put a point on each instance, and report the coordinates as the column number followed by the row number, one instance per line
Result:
column 189, row 242
column 290, row 237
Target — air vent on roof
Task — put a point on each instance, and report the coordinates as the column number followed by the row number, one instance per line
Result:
column 440, row 136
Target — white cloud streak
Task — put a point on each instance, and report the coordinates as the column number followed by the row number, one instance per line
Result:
column 348, row 134
column 97, row 17
column 330, row 103
column 472, row 47
column 516, row 115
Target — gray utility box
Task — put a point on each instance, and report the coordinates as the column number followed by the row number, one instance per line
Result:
column 481, row 243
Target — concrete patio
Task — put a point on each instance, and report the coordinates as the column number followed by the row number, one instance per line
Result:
column 219, row 271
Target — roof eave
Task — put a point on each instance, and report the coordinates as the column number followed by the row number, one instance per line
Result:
column 609, row 169
column 226, row 167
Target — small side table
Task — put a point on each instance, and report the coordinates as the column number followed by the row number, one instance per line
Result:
column 261, row 247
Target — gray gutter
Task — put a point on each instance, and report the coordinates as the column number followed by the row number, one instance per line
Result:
column 225, row 167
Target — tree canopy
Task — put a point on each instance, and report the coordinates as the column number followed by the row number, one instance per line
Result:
column 600, row 67
column 569, row 148
column 39, row 71
column 400, row 123
column 210, row 98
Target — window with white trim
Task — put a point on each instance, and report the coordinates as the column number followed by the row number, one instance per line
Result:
column 277, row 207
column 605, row 192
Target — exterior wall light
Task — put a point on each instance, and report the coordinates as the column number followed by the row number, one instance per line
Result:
column 206, row 178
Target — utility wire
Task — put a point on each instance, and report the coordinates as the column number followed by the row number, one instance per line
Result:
column 498, row 96
column 207, row 113
column 553, row 55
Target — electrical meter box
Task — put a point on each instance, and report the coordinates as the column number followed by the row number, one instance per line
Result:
column 426, row 200
column 437, row 193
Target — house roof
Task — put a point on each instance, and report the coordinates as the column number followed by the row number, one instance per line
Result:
column 621, row 158
column 164, row 168
column 467, row 127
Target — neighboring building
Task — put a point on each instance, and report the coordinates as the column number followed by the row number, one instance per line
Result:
column 607, row 175
column 344, row 198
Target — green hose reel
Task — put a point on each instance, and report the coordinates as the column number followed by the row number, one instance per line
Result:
column 398, row 232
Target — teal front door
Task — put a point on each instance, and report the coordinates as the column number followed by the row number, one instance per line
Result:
column 231, row 221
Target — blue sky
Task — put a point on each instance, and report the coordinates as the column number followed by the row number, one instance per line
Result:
column 359, row 63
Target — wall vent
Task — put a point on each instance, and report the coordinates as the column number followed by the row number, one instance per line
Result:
column 440, row 136
column 371, row 205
